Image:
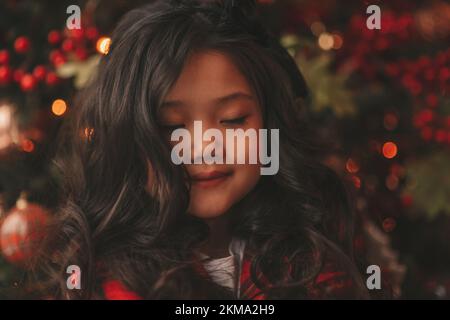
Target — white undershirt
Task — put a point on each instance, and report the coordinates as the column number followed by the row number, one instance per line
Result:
column 223, row 270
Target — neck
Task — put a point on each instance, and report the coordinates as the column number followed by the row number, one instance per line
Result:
column 216, row 246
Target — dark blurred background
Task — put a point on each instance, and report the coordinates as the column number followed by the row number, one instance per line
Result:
column 379, row 99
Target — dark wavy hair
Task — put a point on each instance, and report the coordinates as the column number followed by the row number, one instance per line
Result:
column 111, row 226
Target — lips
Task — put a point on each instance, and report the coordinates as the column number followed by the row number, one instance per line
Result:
column 209, row 179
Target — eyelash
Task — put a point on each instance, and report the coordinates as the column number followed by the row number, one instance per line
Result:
column 235, row 121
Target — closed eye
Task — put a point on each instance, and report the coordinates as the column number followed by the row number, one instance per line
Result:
column 234, row 121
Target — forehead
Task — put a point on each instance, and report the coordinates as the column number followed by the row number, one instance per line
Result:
column 206, row 76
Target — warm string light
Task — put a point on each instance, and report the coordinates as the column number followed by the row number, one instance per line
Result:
column 389, row 224
column 356, row 181
column 59, row 107
column 338, row 41
column 27, row 145
column 317, row 28
column 352, row 166
column 88, row 133
column 103, row 45
column 326, row 40
column 389, row 150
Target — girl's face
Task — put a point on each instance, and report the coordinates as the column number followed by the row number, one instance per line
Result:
column 211, row 89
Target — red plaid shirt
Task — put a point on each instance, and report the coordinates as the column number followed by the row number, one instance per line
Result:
column 328, row 284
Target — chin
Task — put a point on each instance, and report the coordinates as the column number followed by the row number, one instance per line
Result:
column 205, row 211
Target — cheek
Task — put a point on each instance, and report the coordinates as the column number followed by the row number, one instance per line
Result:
column 244, row 180
column 210, row 203
column 246, row 177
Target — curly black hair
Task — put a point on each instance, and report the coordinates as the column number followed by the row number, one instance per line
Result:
column 109, row 225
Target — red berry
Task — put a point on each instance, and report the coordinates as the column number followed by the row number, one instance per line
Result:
column 28, row 82
column 432, row 100
column 426, row 133
column 423, row 62
column 52, row 79
column 92, row 33
column 77, row 34
column 440, row 58
column 39, row 73
column 22, row 45
column 407, row 200
column 440, row 135
column 429, row 74
column 54, row 37
column 53, row 54
column 57, row 57
column 68, row 45
column 59, row 61
column 427, row 115
column 18, row 75
column 382, row 44
column 4, row 57
column 5, row 75
column 444, row 74
column 392, row 69
column 81, row 53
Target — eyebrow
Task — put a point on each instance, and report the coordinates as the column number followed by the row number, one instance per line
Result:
column 221, row 101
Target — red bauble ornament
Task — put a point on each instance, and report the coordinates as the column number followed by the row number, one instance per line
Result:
column 52, row 79
column 5, row 75
column 22, row 45
column 28, row 82
column 22, row 229
column 4, row 57
column 39, row 73
column 54, row 37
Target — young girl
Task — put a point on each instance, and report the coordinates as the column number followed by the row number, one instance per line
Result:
column 139, row 226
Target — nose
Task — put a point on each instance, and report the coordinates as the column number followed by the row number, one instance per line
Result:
column 206, row 143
